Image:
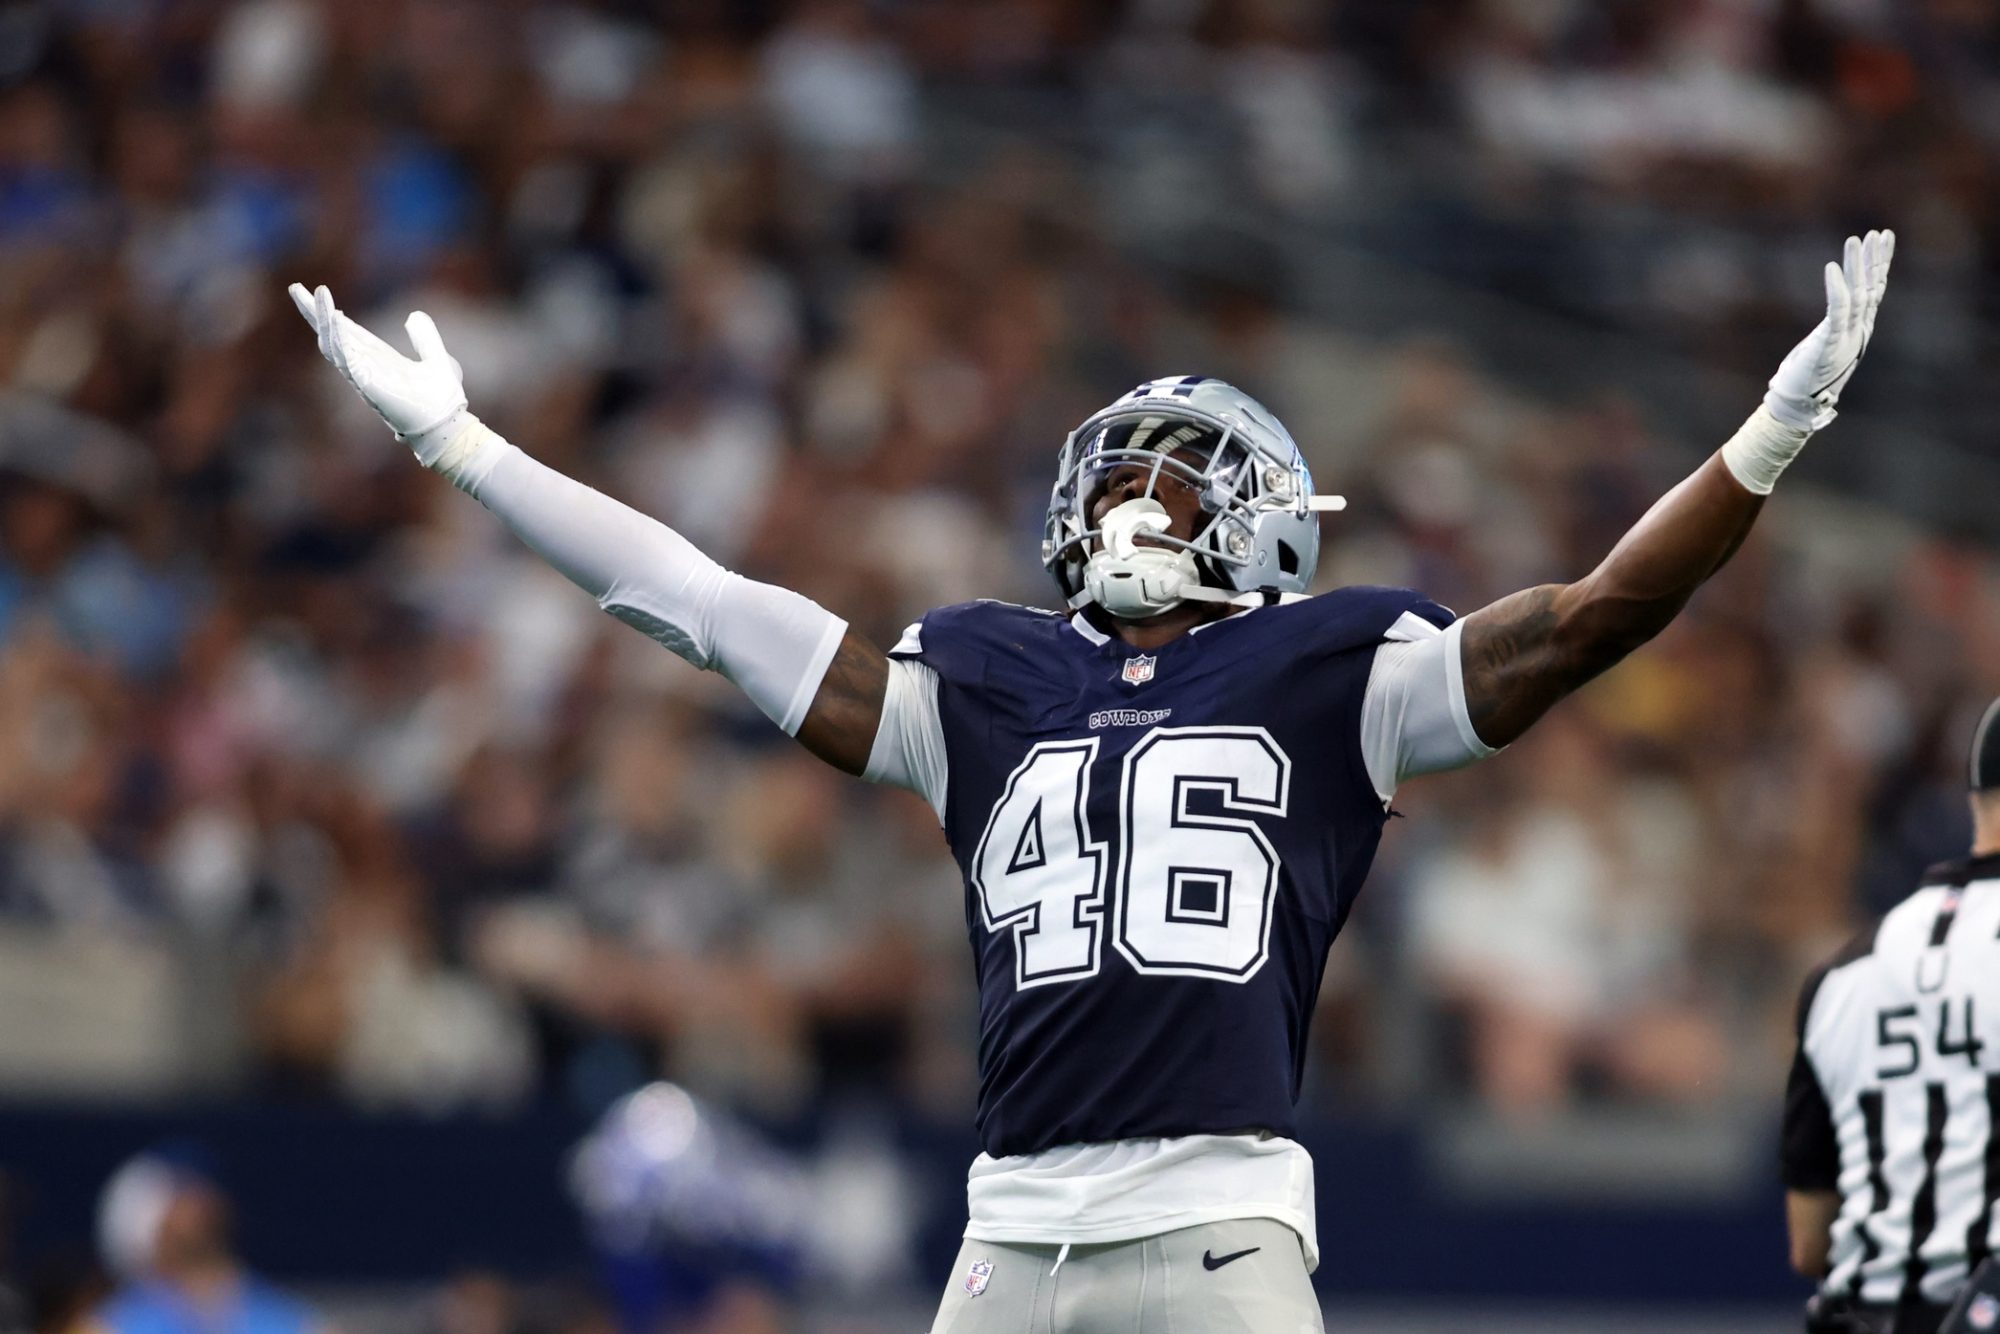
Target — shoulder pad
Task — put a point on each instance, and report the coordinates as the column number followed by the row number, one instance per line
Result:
column 957, row 641
column 1362, row 615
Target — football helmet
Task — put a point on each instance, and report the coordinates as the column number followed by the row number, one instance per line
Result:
column 1261, row 538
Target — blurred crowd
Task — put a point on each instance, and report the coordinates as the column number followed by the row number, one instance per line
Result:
column 281, row 704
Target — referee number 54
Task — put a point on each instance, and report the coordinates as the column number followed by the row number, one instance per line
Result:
column 1899, row 1036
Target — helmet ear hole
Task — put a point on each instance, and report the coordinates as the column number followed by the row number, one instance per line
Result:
column 1288, row 557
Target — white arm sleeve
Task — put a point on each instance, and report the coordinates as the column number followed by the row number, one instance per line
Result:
column 772, row 642
column 1413, row 717
column 909, row 745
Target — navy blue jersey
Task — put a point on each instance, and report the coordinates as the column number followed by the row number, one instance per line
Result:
column 1158, row 850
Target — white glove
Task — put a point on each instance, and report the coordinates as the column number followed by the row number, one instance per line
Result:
column 423, row 401
column 1809, row 382
column 1802, row 394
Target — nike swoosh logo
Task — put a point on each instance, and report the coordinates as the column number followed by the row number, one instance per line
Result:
column 1848, row 369
column 1211, row 1261
column 1836, row 378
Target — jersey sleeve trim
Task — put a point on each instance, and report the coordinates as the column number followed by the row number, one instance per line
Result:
column 1081, row 624
column 1808, row 1145
column 1413, row 718
column 1461, row 715
column 1809, row 1150
column 909, row 749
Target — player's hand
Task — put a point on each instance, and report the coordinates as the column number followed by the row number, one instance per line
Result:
column 420, row 399
column 1808, row 384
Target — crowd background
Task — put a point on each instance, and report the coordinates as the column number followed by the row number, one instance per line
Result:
column 318, row 790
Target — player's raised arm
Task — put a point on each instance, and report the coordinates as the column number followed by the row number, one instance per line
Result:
column 799, row 663
column 1525, row 652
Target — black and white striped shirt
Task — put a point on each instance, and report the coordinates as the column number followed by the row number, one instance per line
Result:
column 1894, row 1098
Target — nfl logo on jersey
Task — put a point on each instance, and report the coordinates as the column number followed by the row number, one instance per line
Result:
column 1984, row 1312
column 1139, row 670
column 981, row 1275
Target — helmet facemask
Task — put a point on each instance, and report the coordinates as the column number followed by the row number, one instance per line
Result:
column 1256, row 533
column 1135, row 568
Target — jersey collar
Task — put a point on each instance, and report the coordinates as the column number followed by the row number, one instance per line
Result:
column 1081, row 624
column 1965, row 870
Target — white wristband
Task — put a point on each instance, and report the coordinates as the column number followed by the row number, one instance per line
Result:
column 461, row 448
column 1762, row 448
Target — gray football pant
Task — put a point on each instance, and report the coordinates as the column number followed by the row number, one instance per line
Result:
column 1169, row 1284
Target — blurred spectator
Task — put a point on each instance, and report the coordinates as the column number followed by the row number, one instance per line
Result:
column 1557, row 925
column 842, row 91
column 823, row 284
column 697, row 1223
column 363, row 1005
column 164, row 1228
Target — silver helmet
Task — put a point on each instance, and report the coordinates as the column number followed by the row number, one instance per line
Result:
column 1262, row 534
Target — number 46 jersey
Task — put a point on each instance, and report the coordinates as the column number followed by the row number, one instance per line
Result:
column 1159, row 847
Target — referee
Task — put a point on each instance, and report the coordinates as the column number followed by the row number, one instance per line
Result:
column 1891, row 1147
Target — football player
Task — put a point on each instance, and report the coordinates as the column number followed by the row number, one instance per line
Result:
column 1164, row 796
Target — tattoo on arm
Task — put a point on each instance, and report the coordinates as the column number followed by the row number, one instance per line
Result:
column 847, row 712
column 1510, row 656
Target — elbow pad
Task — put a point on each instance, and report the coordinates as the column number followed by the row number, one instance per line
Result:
column 773, row 643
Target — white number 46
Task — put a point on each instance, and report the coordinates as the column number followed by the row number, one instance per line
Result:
column 1194, row 891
